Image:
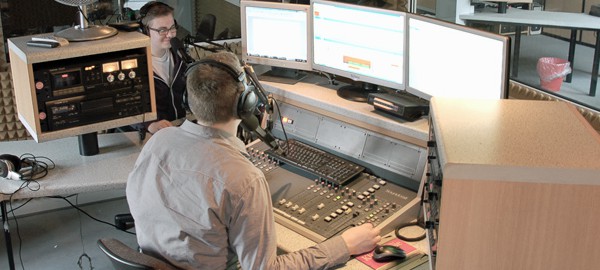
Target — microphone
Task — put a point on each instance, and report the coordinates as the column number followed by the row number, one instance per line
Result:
column 177, row 45
column 250, row 123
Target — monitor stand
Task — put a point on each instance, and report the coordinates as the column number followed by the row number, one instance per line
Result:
column 357, row 93
column 88, row 144
column 282, row 75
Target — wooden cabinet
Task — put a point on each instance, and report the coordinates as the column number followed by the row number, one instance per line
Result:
column 103, row 79
column 512, row 184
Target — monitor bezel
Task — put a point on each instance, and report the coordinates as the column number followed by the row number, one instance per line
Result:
column 354, row 76
column 505, row 61
column 306, row 66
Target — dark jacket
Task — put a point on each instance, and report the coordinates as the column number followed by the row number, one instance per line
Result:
column 170, row 98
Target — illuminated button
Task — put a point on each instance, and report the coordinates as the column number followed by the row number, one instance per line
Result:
column 366, row 193
column 320, row 206
column 295, row 207
column 288, row 204
column 382, row 182
column 345, row 207
column 348, row 211
column 302, row 210
column 282, row 201
column 361, row 197
column 376, row 186
column 328, row 219
column 315, row 217
column 339, row 211
column 350, row 204
column 371, row 190
column 333, row 215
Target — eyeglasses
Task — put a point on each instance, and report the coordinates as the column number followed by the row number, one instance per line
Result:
column 163, row 31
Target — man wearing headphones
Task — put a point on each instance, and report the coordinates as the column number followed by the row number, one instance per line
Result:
column 197, row 200
column 156, row 19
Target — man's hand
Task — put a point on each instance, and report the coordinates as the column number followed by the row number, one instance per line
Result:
column 158, row 125
column 361, row 239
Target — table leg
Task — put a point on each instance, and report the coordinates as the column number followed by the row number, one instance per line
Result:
column 595, row 63
column 517, row 51
column 572, row 54
column 7, row 239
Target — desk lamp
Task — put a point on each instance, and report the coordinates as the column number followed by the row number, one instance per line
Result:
column 83, row 31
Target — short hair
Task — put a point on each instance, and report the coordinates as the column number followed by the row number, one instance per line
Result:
column 212, row 91
column 154, row 9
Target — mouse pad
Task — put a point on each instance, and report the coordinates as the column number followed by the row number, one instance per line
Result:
column 367, row 258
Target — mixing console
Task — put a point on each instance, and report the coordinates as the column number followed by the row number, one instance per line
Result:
column 319, row 209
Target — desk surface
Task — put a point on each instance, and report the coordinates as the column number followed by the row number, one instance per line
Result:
column 108, row 171
column 74, row 173
column 316, row 94
column 536, row 17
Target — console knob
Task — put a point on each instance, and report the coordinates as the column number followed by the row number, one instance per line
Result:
column 121, row 76
column 110, row 78
column 131, row 74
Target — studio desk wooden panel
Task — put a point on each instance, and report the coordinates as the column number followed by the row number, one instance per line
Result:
column 512, row 184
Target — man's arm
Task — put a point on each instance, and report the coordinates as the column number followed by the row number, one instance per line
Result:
column 253, row 237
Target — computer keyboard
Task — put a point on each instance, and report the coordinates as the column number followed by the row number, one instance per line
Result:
column 318, row 162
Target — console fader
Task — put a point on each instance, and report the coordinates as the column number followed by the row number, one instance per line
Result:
column 318, row 209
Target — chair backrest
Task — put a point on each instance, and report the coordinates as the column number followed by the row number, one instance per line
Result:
column 124, row 257
column 206, row 29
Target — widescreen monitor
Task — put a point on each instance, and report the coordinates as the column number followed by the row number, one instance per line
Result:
column 450, row 60
column 277, row 35
column 364, row 44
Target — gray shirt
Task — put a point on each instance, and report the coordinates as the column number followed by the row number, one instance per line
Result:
column 199, row 203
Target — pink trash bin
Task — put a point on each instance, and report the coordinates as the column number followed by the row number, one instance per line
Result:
column 552, row 71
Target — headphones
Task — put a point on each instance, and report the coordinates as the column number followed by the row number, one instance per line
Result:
column 246, row 101
column 144, row 11
column 9, row 167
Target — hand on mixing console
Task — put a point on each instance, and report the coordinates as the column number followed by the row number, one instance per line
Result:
column 361, row 239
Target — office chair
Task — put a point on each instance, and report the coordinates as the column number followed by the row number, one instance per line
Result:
column 124, row 257
column 206, row 29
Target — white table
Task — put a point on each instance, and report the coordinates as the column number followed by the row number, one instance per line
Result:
column 108, row 170
column 572, row 21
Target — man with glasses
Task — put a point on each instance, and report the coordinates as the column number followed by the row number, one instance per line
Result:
column 157, row 21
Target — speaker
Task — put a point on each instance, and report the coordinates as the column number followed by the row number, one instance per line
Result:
column 9, row 167
column 246, row 101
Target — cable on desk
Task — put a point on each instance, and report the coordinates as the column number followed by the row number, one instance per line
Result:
column 33, row 168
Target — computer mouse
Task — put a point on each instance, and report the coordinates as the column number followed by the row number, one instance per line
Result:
column 388, row 253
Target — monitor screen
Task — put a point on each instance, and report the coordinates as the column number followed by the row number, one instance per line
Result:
column 361, row 43
column 446, row 59
column 277, row 35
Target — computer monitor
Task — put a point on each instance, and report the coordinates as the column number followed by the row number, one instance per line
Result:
column 277, row 35
column 446, row 59
column 362, row 43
